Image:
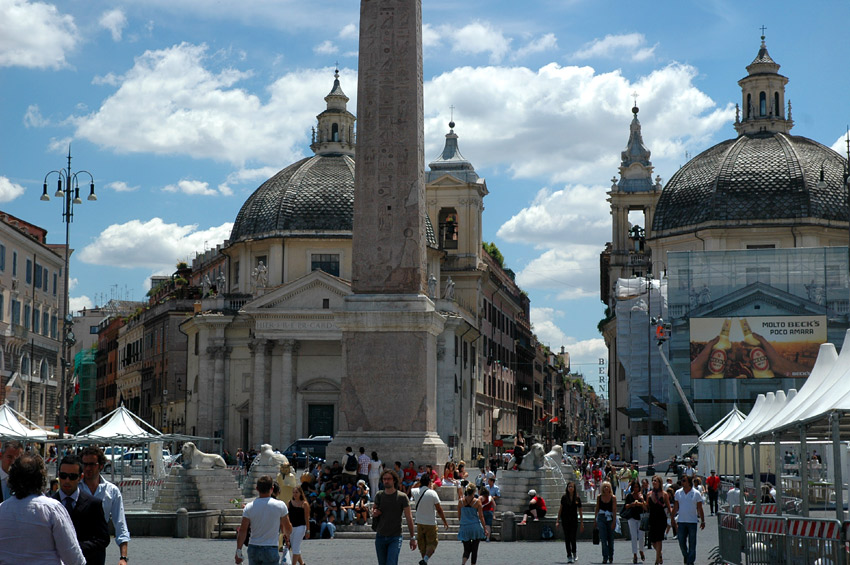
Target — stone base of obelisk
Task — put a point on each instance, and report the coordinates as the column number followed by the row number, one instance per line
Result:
column 388, row 401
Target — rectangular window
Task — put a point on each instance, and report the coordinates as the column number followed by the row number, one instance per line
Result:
column 2, row 312
column 38, row 281
column 14, row 263
column 45, row 322
column 93, row 330
column 196, row 344
column 465, row 354
column 54, row 327
column 44, row 285
column 29, row 271
column 2, row 257
column 16, row 312
column 762, row 246
column 327, row 262
column 36, row 320
column 55, row 282
column 236, row 272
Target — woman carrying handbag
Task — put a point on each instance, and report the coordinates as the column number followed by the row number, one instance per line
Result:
column 635, row 505
column 605, row 519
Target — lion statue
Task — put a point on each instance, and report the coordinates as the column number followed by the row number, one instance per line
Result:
column 557, row 454
column 194, row 458
column 533, row 460
column 269, row 458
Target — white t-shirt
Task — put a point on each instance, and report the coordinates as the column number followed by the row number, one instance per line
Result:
column 426, row 511
column 376, row 468
column 265, row 514
column 688, row 506
column 733, row 497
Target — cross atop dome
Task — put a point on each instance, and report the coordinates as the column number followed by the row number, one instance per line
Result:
column 763, row 96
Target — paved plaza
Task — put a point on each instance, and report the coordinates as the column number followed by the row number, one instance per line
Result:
column 162, row 551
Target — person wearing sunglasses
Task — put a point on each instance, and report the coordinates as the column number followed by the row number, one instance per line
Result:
column 108, row 495
column 86, row 512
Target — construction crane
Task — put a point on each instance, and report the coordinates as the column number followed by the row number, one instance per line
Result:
column 662, row 333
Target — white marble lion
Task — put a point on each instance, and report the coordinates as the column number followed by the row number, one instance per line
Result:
column 557, row 454
column 268, row 457
column 194, row 458
column 531, row 461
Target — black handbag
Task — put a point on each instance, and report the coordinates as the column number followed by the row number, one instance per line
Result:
column 644, row 522
column 595, row 536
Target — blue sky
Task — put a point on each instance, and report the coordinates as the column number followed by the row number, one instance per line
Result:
column 181, row 108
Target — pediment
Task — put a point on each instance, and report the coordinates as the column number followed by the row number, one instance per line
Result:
column 319, row 385
column 760, row 299
column 306, row 293
column 447, row 180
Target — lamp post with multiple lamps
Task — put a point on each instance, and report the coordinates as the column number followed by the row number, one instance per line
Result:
column 71, row 197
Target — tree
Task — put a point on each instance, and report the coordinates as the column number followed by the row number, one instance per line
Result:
column 494, row 253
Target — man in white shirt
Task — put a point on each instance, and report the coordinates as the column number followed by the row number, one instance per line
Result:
column 267, row 517
column 733, row 497
column 427, row 505
column 11, row 451
column 687, row 508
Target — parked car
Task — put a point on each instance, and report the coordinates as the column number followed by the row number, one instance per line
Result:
column 308, row 450
column 135, row 459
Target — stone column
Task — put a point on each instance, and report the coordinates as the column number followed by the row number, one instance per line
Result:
column 205, row 394
column 258, row 392
column 388, row 396
column 288, row 391
column 218, row 353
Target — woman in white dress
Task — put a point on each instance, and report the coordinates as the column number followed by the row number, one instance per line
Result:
column 375, row 469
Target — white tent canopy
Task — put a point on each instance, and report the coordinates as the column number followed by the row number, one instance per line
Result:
column 122, row 426
column 708, row 442
column 11, row 426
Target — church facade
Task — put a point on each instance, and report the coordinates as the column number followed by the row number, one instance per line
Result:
column 265, row 357
column 742, row 232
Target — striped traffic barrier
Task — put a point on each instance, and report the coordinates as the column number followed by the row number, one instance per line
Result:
column 750, row 509
column 765, row 537
column 814, row 540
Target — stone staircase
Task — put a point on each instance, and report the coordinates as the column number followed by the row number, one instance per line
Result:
column 514, row 486
column 197, row 489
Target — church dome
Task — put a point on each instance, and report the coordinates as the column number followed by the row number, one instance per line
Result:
column 756, row 178
column 313, row 194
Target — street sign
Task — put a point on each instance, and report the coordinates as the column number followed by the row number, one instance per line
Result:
column 498, row 443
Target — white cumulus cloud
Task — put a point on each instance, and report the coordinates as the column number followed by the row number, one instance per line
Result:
column 77, row 303
column 153, row 244
column 326, row 47
column 349, row 31
column 9, row 190
column 35, row 35
column 840, row 145
column 546, row 42
column 629, row 46
column 121, row 186
column 172, row 103
column 547, row 322
column 194, row 187
column 33, row 117
column 115, row 21
column 476, row 38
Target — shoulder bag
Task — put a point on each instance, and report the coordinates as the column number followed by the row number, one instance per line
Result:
column 376, row 520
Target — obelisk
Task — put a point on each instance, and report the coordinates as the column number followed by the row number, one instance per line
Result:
column 389, row 325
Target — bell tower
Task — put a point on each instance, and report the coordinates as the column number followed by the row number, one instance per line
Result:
column 635, row 191
column 334, row 133
column 763, row 97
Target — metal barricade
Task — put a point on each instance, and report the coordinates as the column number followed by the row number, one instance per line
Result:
column 729, row 538
column 814, row 540
column 750, row 509
column 765, row 537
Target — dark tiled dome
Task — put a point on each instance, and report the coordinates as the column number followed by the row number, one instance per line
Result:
column 315, row 194
column 756, row 177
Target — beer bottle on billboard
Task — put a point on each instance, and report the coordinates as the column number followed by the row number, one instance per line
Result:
column 720, row 352
column 755, row 353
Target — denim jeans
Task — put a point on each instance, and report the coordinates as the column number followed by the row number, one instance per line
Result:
column 388, row 548
column 688, row 541
column 606, row 536
column 263, row 555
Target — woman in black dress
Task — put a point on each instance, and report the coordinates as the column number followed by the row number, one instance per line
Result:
column 570, row 515
column 659, row 505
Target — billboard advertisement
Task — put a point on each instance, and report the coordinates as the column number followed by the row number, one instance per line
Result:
column 755, row 347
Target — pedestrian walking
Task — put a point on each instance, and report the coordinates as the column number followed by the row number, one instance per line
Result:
column 634, row 506
column 267, row 517
column 363, row 461
column 658, row 504
column 108, row 495
column 427, row 507
column 472, row 527
column 35, row 528
column 374, row 472
column 85, row 512
column 571, row 517
column 712, row 483
column 687, row 509
column 299, row 518
column 390, row 504
column 488, row 506
column 605, row 518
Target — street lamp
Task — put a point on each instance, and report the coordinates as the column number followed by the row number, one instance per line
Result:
column 71, row 196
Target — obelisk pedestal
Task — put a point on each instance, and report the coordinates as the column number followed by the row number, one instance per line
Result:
column 389, row 325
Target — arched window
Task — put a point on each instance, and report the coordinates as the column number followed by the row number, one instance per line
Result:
column 762, row 104
column 44, row 371
column 448, row 228
column 777, row 109
column 749, row 106
column 25, row 365
column 335, row 132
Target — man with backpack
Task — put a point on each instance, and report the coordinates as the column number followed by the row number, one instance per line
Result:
column 427, row 503
column 349, row 466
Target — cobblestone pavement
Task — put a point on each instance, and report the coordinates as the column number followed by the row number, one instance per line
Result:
column 168, row 551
